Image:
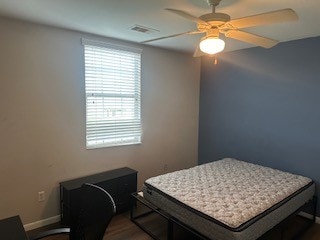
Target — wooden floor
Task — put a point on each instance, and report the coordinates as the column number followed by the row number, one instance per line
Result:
column 121, row 228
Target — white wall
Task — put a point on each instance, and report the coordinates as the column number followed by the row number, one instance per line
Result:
column 42, row 117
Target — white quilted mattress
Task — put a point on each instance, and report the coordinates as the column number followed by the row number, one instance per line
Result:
column 229, row 191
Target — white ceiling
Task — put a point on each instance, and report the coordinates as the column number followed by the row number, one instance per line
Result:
column 113, row 18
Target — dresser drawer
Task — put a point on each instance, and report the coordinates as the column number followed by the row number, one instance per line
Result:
column 127, row 184
column 110, row 186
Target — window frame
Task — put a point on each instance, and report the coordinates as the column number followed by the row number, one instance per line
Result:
column 135, row 96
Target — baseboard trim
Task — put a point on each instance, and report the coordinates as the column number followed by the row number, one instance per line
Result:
column 309, row 216
column 41, row 223
column 55, row 219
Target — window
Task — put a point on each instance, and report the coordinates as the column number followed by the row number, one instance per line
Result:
column 112, row 82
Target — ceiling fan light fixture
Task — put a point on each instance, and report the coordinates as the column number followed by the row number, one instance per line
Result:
column 211, row 45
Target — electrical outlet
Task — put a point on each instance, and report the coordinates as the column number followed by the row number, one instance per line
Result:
column 41, row 196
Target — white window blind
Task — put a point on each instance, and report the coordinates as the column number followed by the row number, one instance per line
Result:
column 112, row 81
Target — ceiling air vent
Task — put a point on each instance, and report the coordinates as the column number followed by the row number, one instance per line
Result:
column 143, row 29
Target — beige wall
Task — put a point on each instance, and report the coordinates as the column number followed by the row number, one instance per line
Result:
column 42, row 117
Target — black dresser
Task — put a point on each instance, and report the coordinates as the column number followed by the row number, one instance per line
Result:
column 120, row 183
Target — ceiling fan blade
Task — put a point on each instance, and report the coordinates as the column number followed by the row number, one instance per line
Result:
column 251, row 38
column 187, row 16
column 284, row 15
column 170, row 36
column 198, row 52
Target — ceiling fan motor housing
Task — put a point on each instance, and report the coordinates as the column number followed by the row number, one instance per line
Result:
column 214, row 20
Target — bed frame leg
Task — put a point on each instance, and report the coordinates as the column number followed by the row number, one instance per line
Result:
column 315, row 201
column 170, row 230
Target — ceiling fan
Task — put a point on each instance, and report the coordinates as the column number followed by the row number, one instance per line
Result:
column 213, row 24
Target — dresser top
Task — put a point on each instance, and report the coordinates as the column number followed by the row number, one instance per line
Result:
column 99, row 177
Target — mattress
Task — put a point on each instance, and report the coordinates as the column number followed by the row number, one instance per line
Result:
column 229, row 199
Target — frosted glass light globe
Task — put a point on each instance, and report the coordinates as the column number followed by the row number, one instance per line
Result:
column 212, row 45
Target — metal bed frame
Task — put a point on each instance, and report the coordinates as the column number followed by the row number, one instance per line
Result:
column 172, row 221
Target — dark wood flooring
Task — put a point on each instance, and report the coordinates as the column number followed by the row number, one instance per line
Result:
column 121, row 228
